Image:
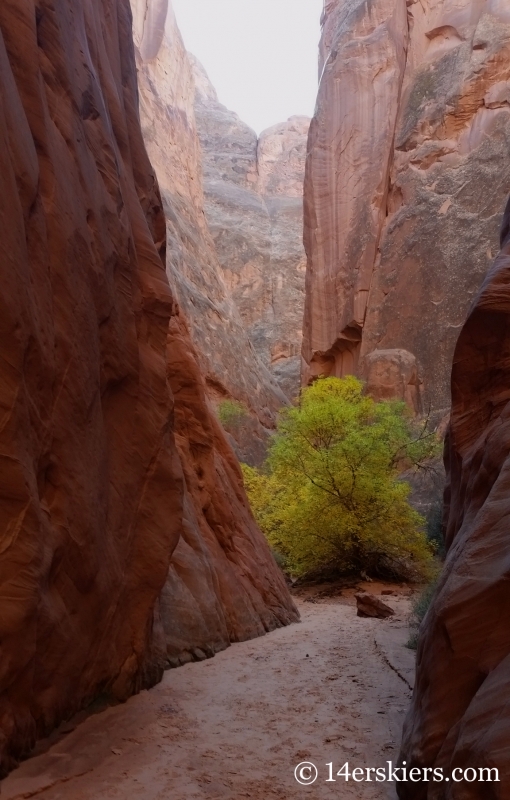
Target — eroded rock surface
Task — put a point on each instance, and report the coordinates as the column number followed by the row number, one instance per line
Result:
column 459, row 715
column 105, row 487
column 407, row 172
column 227, row 358
column 223, row 584
column 254, row 208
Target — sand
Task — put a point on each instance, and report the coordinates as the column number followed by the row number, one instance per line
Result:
column 333, row 688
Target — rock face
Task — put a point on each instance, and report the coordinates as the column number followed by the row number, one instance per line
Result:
column 126, row 539
column 227, row 359
column 459, row 715
column 407, row 154
column 223, row 584
column 254, row 208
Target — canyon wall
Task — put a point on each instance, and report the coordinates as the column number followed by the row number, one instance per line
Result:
column 227, row 358
column 459, row 716
column 127, row 543
column 406, row 175
column 254, row 208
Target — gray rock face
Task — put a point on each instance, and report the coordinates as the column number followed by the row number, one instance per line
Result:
column 228, row 360
column 253, row 191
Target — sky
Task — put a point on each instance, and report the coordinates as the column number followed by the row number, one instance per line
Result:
column 261, row 55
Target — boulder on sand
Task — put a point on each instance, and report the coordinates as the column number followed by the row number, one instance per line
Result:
column 370, row 606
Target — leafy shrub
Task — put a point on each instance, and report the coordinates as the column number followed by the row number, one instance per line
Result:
column 434, row 528
column 232, row 414
column 422, row 602
column 329, row 494
column 420, row 607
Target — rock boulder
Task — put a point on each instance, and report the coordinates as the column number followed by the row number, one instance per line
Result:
column 368, row 605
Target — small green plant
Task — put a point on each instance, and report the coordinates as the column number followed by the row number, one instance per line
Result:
column 232, row 414
column 281, row 561
column 420, row 607
column 434, row 528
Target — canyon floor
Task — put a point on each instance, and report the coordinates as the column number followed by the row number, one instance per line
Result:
column 333, row 688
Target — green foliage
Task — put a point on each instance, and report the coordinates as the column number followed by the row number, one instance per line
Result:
column 232, row 414
column 330, row 495
column 420, row 607
column 422, row 602
column 434, row 528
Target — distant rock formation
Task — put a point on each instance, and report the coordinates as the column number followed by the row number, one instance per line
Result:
column 127, row 542
column 231, row 367
column 407, row 172
column 254, row 207
column 459, row 715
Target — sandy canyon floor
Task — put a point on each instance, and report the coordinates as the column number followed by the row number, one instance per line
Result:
column 333, row 688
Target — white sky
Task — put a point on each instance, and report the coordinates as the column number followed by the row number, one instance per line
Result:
column 261, row 55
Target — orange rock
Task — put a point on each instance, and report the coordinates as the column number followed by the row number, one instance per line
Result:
column 410, row 132
column 95, row 503
column 223, row 585
column 346, row 185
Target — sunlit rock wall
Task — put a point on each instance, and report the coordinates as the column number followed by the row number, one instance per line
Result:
column 407, row 172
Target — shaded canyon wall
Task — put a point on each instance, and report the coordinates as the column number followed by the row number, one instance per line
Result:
column 460, row 714
column 407, row 172
column 126, row 541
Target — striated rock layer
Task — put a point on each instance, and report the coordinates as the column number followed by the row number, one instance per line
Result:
column 459, row 716
column 167, row 90
column 406, row 175
column 126, row 540
column 254, row 207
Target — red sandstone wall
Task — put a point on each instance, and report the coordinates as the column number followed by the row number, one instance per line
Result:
column 459, row 715
column 94, row 499
column 407, row 154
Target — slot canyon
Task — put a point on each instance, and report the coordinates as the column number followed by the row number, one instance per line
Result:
column 174, row 283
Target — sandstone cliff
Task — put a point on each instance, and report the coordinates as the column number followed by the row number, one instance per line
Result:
column 226, row 355
column 406, row 175
column 126, row 539
column 459, row 715
column 254, row 207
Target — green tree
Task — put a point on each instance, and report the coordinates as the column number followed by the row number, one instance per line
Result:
column 329, row 496
column 232, row 414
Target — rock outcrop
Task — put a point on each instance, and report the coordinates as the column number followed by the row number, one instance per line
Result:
column 254, row 207
column 459, row 716
column 126, row 537
column 227, row 358
column 406, row 175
